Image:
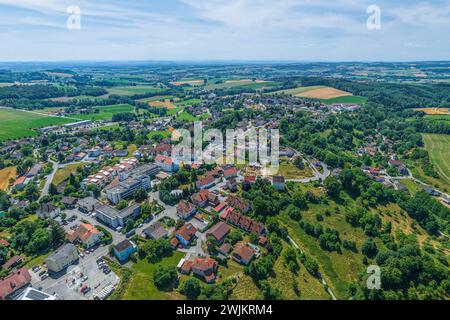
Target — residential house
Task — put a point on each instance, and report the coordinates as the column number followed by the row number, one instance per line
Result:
column 184, row 235
column 205, row 182
column 69, row 202
column 225, row 248
column 243, row 253
column 14, row 283
column 155, row 231
column 123, row 250
column 34, row 171
column 88, row 204
column 185, row 209
column 20, row 183
column 205, row 268
column 232, row 184
column 230, row 173
column 62, row 258
column 204, row 197
column 219, row 231
column 238, row 203
column 48, row 211
column 86, row 234
column 166, row 163
column 12, row 262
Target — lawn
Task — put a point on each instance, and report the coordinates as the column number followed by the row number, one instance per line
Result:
column 5, row 175
column 64, row 173
column 142, row 287
column 290, row 171
column 15, row 124
column 295, row 286
column 438, row 146
column 106, row 112
column 38, row 260
column 187, row 117
column 164, row 134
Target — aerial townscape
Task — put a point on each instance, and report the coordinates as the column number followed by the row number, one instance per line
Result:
column 94, row 204
column 203, row 152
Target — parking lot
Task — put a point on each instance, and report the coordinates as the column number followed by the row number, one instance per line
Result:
column 85, row 276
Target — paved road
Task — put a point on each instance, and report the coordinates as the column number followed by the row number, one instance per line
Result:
column 321, row 278
column 49, row 180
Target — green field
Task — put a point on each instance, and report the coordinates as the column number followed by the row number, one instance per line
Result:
column 15, row 124
column 438, row 117
column 132, row 90
column 164, row 134
column 438, row 146
column 106, row 112
column 187, row 117
column 64, row 173
column 347, row 99
column 142, row 287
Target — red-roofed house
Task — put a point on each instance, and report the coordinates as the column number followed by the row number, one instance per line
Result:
column 204, row 198
column 238, row 203
column 205, row 182
column 185, row 234
column 166, row 163
column 230, row 173
column 13, row 283
column 87, row 234
column 185, row 209
column 205, row 268
column 219, row 231
column 243, row 253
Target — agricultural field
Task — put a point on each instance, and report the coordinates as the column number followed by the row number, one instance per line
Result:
column 162, row 104
column 325, row 94
column 434, row 111
column 132, row 90
column 15, row 124
column 438, row 146
column 5, row 175
column 105, row 113
column 163, row 134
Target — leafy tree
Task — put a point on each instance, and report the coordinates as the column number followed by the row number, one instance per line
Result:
column 369, row 248
column 52, row 189
column 140, row 195
column 122, row 204
column 165, row 277
column 191, row 288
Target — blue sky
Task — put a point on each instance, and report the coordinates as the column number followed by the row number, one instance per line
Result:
column 305, row 30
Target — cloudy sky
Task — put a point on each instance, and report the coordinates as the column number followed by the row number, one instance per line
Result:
column 304, row 30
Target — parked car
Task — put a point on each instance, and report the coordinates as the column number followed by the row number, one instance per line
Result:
column 84, row 278
column 45, row 276
column 41, row 273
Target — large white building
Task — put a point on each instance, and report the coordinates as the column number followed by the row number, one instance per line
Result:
column 136, row 179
